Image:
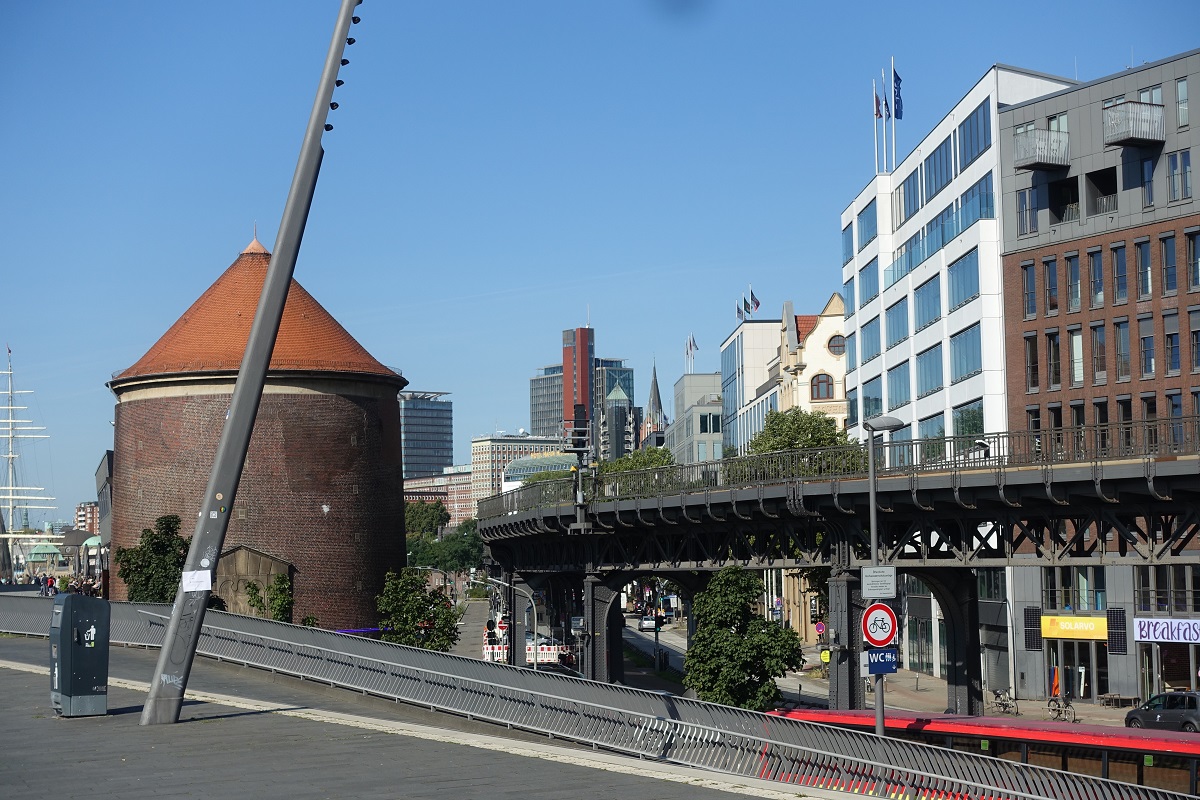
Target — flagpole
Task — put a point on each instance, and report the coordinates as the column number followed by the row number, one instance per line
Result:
column 893, row 90
column 887, row 105
column 874, row 123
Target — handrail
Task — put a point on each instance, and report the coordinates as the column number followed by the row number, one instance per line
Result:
column 646, row 724
column 1089, row 444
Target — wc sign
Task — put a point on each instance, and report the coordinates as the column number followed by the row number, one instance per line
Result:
column 883, row 661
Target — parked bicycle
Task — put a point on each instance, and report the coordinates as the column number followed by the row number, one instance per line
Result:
column 1059, row 707
column 1004, row 702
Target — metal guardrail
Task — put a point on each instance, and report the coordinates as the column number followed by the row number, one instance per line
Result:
column 1089, row 444
column 645, row 724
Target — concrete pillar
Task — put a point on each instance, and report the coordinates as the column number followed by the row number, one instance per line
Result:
column 604, row 633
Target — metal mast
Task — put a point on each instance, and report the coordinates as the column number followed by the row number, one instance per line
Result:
column 13, row 496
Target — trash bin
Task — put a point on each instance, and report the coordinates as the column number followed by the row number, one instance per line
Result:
column 79, row 655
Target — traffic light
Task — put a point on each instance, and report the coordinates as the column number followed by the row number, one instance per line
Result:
column 658, row 622
column 577, row 431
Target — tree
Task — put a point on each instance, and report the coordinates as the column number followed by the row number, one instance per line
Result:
column 411, row 613
column 735, row 655
column 152, row 570
column 647, row 458
column 797, row 429
column 278, row 601
column 425, row 518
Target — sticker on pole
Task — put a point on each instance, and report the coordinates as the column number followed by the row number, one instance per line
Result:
column 879, row 625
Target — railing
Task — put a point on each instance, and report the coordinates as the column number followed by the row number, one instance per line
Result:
column 1168, row 601
column 1038, row 149
column 644, row 724
column 1075, row 600
column 1130, row 122
column 1091, row 443
column 1068, row 212
column 1105, row 204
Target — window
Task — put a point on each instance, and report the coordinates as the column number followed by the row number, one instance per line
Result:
column 851, row 353
column 821, row 387
column 929, row 371
column 1053, row 360
column 1167, row 245
column 1057, row 122
column 1146, row 346
column 939, row 168
column 1031, row 362
column 1121, row 337
column 1029, row 290
column 1120, row 278
column 927, row 303
column 975, row 134
column 1073, row 288
column 1175, row 412
column 906, row 199
column 1147, row 182
column 1096, row 269
column 897, row 323
column 968, row 418
column 1050, row 267
column 868, row 282
column 847, row 243
column 1099, row 355
column 1193, row 260
column 851, row 408
column 1179, row 175
column 1033, row 419
column 1181, row 104
column 870, row 341
column 868, row 226
column 837, row 344
column 1023, row 127
column 899, row 387
column 963, row 280
column 933, row 431
column 1075, row 354
column 1171, row 343
column 849, row 300
column 702, row 451
column 966, row 354
column 872, row 397
column 1194, row 327
column 1112, row 101
column 976, row 203
column 1151, row 95
column 1141, row 252
column 1027, row 221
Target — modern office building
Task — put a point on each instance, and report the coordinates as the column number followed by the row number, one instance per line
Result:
column 694, row 435
column 452, row 487
column 812, row 360
column 426, row 433
column 922, row 276
column 749, row 388
column 546, row 401
column 491, row 454
column 1101, row 281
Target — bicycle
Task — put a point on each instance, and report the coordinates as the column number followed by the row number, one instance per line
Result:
column 1004, row 702
column 1059, row 707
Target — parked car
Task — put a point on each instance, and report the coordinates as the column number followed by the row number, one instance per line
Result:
column 1175, row 711
column 646, row 623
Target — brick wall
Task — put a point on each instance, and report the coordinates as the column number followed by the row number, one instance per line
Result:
column 321, row 488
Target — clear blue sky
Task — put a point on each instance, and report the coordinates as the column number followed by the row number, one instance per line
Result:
column 498, row 171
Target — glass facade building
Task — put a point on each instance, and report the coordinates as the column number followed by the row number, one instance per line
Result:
column 426, row 433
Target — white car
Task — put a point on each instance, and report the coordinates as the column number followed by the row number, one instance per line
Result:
column 646, row 623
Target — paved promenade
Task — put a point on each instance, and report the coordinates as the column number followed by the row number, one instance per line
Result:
column 248, row 734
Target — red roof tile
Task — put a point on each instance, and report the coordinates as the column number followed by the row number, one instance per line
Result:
column 805, row 323
column 211, row 336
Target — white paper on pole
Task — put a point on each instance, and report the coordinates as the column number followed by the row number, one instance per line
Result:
column 197, row 581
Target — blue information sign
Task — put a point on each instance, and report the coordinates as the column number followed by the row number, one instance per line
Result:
column 883, row 661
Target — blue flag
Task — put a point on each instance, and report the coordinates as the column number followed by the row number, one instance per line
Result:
column 898, row 104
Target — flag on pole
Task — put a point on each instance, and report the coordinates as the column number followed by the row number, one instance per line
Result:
column 887, row 110
column 754, row 304
column 740, row 315
column 899, row 103
column 878, row 113
column 692, row 343
column 746, row 305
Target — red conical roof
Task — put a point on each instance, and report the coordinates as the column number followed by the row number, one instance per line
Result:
column 211, row 336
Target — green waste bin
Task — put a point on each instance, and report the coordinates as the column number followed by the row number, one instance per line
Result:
column 79, row 630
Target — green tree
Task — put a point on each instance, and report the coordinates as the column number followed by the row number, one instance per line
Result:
column 152, row 570
column 797, row 429
column 736, row 655
column 411, row 613
column 647, row 458
column 548, row 475
column 278, row 601
column 425, row 518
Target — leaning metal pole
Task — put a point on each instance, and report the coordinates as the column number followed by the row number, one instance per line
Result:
column 873, row 517
column 187, row 615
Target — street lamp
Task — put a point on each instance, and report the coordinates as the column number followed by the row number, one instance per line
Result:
column 873, row 426
column 532, row 605
column 445, row 576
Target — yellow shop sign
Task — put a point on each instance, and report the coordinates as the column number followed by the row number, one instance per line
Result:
column 1074, row 627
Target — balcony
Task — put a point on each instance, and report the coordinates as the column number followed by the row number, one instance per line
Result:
column 1134, row 124
column 1042, row 150
column 1105, row 204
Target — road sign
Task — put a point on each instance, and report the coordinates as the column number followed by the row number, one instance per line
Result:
column 820, row 628
column 883, row 662
column 879, row 625
column 502, row 626
column 879, row 583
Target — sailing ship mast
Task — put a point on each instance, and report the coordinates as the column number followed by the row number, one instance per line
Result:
column 13, row 496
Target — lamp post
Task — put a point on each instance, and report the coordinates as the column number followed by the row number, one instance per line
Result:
column 532, row 605
column 873, row 426
column 445, row 576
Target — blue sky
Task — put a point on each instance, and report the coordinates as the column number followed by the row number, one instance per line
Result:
column 498, row 172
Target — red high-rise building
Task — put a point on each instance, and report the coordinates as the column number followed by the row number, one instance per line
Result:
column 579, row 356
